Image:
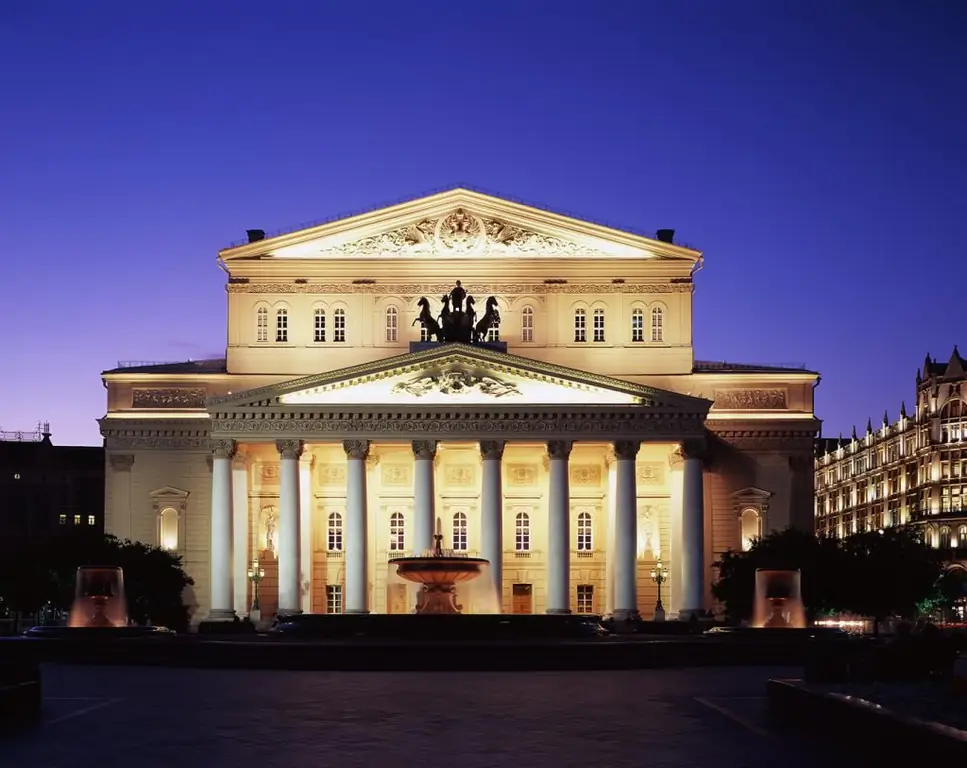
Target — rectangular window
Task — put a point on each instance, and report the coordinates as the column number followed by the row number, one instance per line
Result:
column 657, row 324
column 339, row 326
column 90, row 519
column 637, row 325
column 262, row 324
column 319, row 326
column 493, row 332
column 333, row 598
column 527, row 325
column 392, row 324
column 77, row 519
column 62, row 519
column 598, row 325
column 580, row 325
column 282, row 326
column 585, row 598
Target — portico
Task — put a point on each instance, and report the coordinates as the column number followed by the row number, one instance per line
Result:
column 298, row 419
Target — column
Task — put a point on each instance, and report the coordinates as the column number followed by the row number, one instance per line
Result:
column 240, row 532
column 289, row 571
column 356, row 540
column 424, row 495
column 221, row 593
column 626, row 531
column 491, row 515
column 559, row 529
column 693, row 530
column 305, row 529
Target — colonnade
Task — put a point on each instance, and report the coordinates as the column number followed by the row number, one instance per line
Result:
column 692, row 524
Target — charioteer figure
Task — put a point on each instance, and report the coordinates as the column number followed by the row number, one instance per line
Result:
column 457, row 295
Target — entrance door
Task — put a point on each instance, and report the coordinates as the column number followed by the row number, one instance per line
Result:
column 523, row 600
column 396, row 601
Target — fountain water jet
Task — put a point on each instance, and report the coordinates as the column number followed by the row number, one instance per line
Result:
column 778, row 600
column 438, row 572
column 99, row 599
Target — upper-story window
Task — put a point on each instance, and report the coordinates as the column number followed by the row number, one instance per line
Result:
column 953, row 421
column 282, row 325
column 598, row 325
column 580, row 325
column 459, row 532
column 522, row 537
column 493, row 332
column 397, row 532
column 334, row 533
column 319, row 325
column 339, row 325
column 637, row 325
column 392, row 324
column 262, row 324
column 657, row 324
column 527, row 324
column 585, row 536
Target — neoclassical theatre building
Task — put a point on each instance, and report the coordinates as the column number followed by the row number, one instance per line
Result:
column 573, row 445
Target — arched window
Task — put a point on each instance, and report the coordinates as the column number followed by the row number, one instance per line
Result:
column 339, row 325
column 459, row 532
column 527, row 324
column 392, row 323
column 637, row 325
column 262, row 324
column 580, row 325
column 953, row 421
column 168, row 529
column 944, row 538
column 397, row 532
column 929, row 538
column 522, row 532
column 961, row 537
column 598, row 325
column 585, row 535
column 319, row 325
column 282, row 325
column 749, row 527
column 334, row 532
column 657, row 324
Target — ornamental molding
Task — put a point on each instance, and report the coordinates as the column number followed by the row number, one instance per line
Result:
column 751, row 399
column 149, row 434
column 457, row 383
column 782, row 441
column 507, row 290
column 169, row 397
column 460, row 232
column 750, row 498
column 449, row 424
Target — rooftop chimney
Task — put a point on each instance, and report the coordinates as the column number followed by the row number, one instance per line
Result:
column 254, row 235
column 666, row 235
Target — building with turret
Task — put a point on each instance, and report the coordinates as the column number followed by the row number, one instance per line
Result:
column 912, row 471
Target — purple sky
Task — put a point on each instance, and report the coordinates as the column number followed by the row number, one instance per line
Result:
column 813, row 150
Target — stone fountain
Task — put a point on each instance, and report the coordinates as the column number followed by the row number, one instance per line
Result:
column 438, row 572
column 778, row 600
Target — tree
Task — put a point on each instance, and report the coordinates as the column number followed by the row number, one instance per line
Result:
column 889, row 573
column 818, row 559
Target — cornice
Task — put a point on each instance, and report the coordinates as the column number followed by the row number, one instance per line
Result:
column 397, row 288
column 135, row 434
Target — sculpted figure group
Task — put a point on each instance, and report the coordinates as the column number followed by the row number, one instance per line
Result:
column 457, row 322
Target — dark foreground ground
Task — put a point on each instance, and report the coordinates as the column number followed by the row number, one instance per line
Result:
column 109, row 716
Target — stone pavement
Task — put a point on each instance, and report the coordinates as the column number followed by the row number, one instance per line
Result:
column 180, row 718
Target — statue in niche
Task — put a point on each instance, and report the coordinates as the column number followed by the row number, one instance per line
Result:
column 648, row 539
column 271, row 534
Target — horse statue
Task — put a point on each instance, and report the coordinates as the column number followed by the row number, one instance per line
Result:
column 490, row 319
column 427, row 321
column 446, row 317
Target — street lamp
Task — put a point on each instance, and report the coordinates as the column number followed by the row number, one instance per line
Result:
column 659, row 575
column 255, row 574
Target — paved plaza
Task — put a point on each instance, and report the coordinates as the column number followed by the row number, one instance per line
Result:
column 97, row 716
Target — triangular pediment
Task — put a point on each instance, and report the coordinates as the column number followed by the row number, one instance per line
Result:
column 459, row 375
column 168, row 492
column 460, row 223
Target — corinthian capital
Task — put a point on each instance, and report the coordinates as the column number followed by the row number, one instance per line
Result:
column 356, row 449
column 289, row 449
column 559, row 449
column 492, row 449
column 222, row 449
column 626, row 449
column 694, row 449
column 424, row 449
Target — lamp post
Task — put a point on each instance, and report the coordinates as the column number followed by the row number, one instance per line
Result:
column 255, row 574
column 659, row 575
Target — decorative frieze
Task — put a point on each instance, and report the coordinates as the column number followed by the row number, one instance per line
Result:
column 397, row 475
column 750, row 399
column 172, row 397
column 438, row 289
column 332, row 474
column 651, row 473
column 269, row 473
column 521, row 475
column 585, row 474
column 460, row 476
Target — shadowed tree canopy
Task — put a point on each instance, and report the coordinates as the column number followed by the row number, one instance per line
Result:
column 153, row 578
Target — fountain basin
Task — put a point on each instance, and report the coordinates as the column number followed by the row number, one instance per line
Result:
column 437, row 569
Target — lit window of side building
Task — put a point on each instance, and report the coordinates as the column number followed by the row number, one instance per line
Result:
column 571, row 438
column 909, row 472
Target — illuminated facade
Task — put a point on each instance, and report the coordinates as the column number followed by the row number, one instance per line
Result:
column 913, row 471
column 573, row 448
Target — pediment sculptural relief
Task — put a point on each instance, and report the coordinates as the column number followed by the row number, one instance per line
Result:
column 460, row 232
column 457, row 383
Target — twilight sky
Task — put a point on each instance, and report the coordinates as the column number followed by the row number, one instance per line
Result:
column 813, row 149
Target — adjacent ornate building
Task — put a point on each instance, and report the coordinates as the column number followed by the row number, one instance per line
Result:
column 912, row 471
column 573, row 444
